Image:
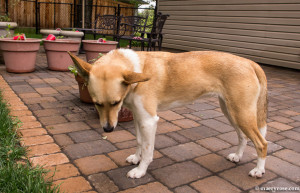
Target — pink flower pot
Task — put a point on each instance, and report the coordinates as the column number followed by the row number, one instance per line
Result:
column 56, row 51
column 92, row 48
column 125, row 115
column 84, row 94
column 19, row 55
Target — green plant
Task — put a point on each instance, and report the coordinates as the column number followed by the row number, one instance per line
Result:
column 16, row 173
column 74, row 70
column 8, row 34
column 99, row 56
column 4, row 18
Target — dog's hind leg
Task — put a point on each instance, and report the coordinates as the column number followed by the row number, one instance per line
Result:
column 234, row 157
column 244, row 115
column 135, row 158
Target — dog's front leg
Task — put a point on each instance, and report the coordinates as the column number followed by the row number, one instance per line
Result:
column 135, row 158
column 147, row 128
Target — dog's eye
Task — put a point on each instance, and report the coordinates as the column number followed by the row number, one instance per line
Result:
column 99, row 104
column 115, row 103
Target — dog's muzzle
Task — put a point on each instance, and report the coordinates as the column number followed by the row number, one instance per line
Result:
column 108, row 128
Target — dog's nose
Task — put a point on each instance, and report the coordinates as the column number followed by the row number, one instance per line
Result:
column 108, row 128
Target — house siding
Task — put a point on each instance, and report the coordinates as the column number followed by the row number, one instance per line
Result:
column 266, row 31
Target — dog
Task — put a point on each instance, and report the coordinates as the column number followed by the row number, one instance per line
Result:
column 146, row 82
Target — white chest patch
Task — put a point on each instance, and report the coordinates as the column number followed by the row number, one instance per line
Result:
column 133, row 58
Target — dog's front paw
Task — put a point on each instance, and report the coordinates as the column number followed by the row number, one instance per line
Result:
column 256, row 172
column 136, row 173
column 233, row 157
column 133, row 159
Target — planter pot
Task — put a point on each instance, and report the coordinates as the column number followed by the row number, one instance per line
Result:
column 84, row 95
column 3, row 26
column 92, row 48
column 1, row 58
column 125, row 115
column 72, row 35
column 19, row 55
column 56, row 51
column 83, row 90
column 46, row 32
column 3, row 32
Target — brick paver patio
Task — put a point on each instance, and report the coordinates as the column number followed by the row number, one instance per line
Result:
column 191, row 142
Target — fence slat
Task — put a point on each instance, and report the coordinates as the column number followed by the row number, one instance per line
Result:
column 24, row 12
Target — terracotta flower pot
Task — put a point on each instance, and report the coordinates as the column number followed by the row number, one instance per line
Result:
column 19, row 55
column 1, row 57
column 83, row 90
column 3, row 32
column 56, row 51
column 73, row 35
column 92, row 48
column 46, row 32
column 84, row 95
column 3, row 27
column 125, row 115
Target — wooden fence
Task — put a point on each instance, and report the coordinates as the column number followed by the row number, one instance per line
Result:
column 2, row 6
column 57, row 15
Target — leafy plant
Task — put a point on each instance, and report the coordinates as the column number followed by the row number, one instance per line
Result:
column 4, row 18
column 99, row 56
column 8, row 34
column 74, row 70
column 16, row 173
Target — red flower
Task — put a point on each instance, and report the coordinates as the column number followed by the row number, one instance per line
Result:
column 51, row 37
column 20, row 37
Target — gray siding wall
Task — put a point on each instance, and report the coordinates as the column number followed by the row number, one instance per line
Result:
column 266, row 31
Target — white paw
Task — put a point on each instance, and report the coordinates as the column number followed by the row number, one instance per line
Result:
column 136, row 173
column 256, row 172
column 133, row 159
column 233, row 157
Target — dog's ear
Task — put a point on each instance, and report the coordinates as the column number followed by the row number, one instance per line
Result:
column 83, row 67
column 133, row 77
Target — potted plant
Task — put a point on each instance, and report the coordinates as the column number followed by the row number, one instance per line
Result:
column 47, row 32
column 74, row 34
column 84, row 95
column 4, row 23
column 6, row 30
column 19, row 53
column 93, row 47
column 56, row 52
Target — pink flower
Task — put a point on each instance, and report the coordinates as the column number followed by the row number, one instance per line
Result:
column 20, row 37
column 137, row 38
column 100, row 40
column 51, row 37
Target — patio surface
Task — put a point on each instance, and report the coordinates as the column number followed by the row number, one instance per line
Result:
column 191, row 142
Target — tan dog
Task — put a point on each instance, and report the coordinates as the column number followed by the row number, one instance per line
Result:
column 146, row 82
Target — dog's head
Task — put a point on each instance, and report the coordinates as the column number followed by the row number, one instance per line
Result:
column 108, row 82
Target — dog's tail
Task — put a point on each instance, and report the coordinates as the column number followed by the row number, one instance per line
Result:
column 262, row 103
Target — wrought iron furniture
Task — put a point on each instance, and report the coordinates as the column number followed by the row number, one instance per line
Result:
column 156, row 35
column 136, row 27
column 132, row 28
column 106, row 25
